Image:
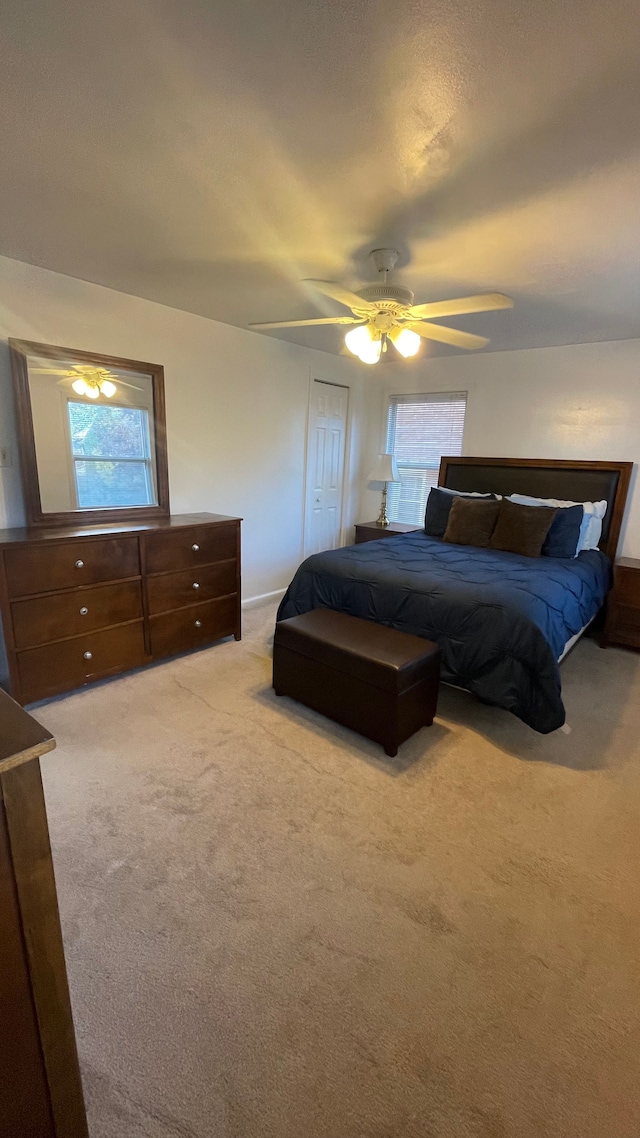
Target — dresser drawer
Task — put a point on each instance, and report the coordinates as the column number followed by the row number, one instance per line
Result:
column 176, row 590
column 186, row 548
column 45, row 567
column 70, row 663
column 191, row 627
column 43, row 619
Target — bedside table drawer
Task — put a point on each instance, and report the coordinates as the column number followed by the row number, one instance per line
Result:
column 626, row 619
column 627, row 586
column 623, row 620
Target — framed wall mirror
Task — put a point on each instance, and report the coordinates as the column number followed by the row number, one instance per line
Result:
column 92, row 435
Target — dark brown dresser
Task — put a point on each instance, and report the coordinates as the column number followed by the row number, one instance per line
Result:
column 40, row 1088
column 80, row 604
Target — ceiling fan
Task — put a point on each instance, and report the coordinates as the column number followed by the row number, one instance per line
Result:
column 88, row 380
column 386, row 312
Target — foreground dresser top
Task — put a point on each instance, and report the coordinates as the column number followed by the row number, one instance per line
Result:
column 63, row 533
column 21, row 737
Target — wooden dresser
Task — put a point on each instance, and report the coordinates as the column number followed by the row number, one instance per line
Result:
column 79, row 605
column 40, row 1088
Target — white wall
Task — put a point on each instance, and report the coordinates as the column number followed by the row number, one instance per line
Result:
column 580, row 401
column 236, row 407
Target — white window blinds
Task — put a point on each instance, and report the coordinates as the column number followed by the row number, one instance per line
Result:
column 420, row 429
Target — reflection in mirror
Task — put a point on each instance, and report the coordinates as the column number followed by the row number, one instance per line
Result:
column 93, row 436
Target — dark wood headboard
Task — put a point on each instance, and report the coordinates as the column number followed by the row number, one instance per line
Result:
column 547, row 478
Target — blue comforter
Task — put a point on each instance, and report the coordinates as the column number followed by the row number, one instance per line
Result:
column 501, row 620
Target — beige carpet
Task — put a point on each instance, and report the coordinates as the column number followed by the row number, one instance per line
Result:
column 272, row 931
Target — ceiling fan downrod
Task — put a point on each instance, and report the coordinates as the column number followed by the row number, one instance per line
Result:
column 384, row 261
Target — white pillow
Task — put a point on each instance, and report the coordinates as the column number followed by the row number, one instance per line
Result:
column 469, row 493
column 591, row 528
column 594, row 528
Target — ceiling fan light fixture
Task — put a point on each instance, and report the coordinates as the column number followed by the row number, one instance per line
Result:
column 371, row 355
column 358, row 339
column 405, row 341
column 93, row 388
column 363, row 342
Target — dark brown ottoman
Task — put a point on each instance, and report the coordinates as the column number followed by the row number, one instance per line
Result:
column 380, row 682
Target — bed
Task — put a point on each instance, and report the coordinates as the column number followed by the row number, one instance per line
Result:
column 503, row 621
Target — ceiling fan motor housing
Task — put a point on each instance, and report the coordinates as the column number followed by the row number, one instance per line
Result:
column 387, row 297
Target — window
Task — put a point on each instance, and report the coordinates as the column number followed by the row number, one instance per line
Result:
column 420, row 429
column 111, row 455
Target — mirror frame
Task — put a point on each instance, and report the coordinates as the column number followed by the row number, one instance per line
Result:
column 20, row 351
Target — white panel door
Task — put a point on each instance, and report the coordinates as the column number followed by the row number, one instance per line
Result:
column 325, row 466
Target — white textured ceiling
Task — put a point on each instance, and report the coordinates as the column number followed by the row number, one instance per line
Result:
column 210, row 153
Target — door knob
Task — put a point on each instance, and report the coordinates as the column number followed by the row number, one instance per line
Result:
column 195, row 585
column 79, row 564
column 84, row 610
column 198, row 624
column 88, row 655
column 195, row 548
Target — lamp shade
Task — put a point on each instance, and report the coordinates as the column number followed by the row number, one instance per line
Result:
column 384, row 469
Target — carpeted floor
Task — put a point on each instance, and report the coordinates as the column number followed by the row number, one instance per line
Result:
column 272, row 931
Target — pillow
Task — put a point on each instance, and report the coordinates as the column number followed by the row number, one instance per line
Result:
column 471, row 521
column 590, row 530
column 564, row 535
column 562, row 539
column 521, row 529
column 439, row 503
column 594, row 527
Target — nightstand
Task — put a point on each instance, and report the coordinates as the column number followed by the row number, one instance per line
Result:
column 623, row 613
column 371, row 531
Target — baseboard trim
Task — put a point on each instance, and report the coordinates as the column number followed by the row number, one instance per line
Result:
column 253, row 602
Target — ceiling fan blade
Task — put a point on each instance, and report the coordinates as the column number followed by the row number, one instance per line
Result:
column 50, row 370
column 483, row 302
column 342, row 295
column 307, row 323
column 452, row 336
column 123, row 383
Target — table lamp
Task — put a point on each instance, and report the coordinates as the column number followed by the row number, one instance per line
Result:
column 384, row 470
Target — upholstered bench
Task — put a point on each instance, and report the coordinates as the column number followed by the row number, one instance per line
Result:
column 375, row 680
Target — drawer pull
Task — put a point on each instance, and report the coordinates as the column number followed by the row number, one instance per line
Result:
column 195, row 547
column 79, row 564
column 88, row 655
column 196, row 585
column 198, row 624
column 84, row 610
